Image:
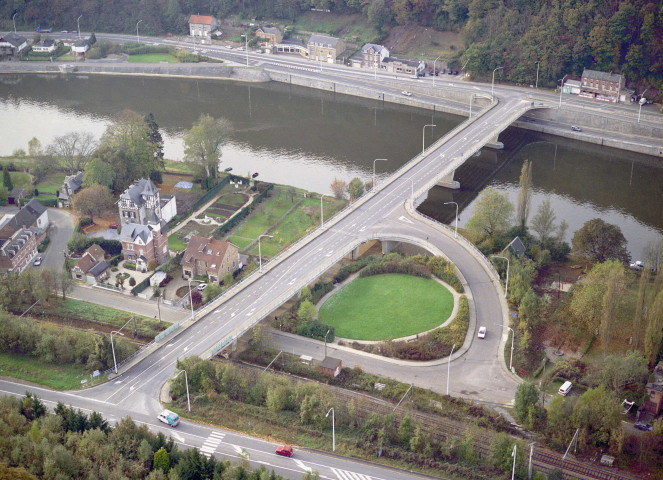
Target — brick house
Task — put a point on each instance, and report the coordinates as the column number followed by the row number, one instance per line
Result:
column 18, row 251
column 653, row 403
column 209, row 257
column 601, row 85
column 373, row 55
column 143, row 243
column 142, row 203
column 33, row 214
column 202, row 26
column 272, row 35
column 91, row 268
column 12, row 44
column 71, row 186
column 324, row 49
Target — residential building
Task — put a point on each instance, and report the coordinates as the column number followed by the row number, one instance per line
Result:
column 397, row 65
column 324, row 49
column 33, row 214
column 80, row 47
column 291, row 46
column 653, row 403
column 12, row 44
column 210, row 258
column 71, row 186
column 202, row 26
column 91, row 267
column 16, row 195
column 571, row 87
column 17, row 251
column 608, row 87
column 373, row 55
column 143, row 243
column 272, row 35
column 44, row 46
column 141, row 203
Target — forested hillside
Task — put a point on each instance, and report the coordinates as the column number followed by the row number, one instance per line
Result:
column 565, row 36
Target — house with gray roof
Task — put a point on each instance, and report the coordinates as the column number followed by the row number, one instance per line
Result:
column 70, row 187
column 44, row 46
column 323, row 48
column 33, row 214
column 20, row 249
column 603, row 86
column 142, row 244
column 371, row 56
column 142, row 203
column 12, row 44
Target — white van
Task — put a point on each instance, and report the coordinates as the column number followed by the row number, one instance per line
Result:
column 565, row 388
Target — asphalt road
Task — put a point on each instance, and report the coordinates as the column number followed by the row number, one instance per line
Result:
column 60, row 231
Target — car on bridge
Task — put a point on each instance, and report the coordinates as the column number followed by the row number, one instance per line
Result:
column 576, row 129
column 406, row 93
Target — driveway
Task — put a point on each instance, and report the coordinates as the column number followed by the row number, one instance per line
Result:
column 60, row 232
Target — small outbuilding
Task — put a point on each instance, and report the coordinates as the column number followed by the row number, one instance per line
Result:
column 331, row 366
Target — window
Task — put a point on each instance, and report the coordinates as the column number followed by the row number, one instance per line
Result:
column 130, row 246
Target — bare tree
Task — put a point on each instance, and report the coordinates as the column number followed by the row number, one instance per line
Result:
column 543, row 222
column 339, row 187
column 73, row 150
column 525, row 193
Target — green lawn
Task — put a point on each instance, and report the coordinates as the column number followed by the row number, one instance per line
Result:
column 177, row 166
column 51, row 184
column 52, row 375
column 387, row 306
column 152, row 58
column 19, row 179
column 234, row 199
column 241, row 242
column 175, row 243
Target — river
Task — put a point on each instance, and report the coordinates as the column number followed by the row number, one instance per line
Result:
column 307, row 138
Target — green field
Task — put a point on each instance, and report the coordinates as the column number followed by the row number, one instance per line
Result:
column 52, row 375
column 387, row 306
column 51, row 184
column 152, row 58
column 266, row 214
column 19, row 179
column 175, row 243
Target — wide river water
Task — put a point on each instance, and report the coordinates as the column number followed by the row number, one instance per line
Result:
column 306, row 138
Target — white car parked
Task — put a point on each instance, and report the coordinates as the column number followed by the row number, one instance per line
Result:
column 482, row 332
column 201, row 287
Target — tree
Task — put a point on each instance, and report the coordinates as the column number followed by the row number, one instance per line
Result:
column 378, row 14
column 7, row 179
column 338, row 188
column 543, row 223
column 161, row 460
column 599, row 241
column 611, row 301
column 560, row 430
column 492, row 213
column 654, row 332
column 73, row 150
column 92, row 201
column 65, row 283
column 524, row 194
column 528, row 406
column 307, row 311
column 355, row 188
column 157, row 145
column 640, row 307
column 203, row 142
column 98, row 173
column 597, row 414
column 4, row 195
column 653, row 254
column 616, row 371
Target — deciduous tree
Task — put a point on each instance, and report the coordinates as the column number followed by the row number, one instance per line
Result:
column 543, row 223
column 92, row 201
column 524, row 194
column 338, row 188
column 98, row 173
column 355, row 188
column 73, row 150
column 203, row 142
column 597, row 414
column 492, row 213
column 599, row 241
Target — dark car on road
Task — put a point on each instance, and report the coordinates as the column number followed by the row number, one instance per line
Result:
column 643, row 426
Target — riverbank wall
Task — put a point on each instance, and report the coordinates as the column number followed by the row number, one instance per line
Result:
column 641, row 138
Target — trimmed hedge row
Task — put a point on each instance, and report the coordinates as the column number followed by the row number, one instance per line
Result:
column 243, row 213
column 141, row 286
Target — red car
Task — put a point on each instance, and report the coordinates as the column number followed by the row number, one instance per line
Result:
column 113, row 226
column 285, row 450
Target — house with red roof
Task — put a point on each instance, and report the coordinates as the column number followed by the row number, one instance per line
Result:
column 209, row 257
column 202, row 26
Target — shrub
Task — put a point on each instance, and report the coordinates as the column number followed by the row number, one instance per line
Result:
column 129, row 266
column 132, row 282
column 85, row 221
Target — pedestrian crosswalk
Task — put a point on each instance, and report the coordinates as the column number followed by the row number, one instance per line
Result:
column 346, row 475
column 212, row 443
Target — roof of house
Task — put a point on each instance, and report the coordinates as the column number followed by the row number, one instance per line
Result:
column 13, row 245
column 46, row 42
column 81, row 43
column 85, row 263
column 132, row 231
column 74, row 181
column 205, row 249
column 411, row 63
column 136, row 191
column 603, row 76
column 657, row 387
column 201, row 19
column 572, row 83
column 13, row 39
column 323, row 40
column 27, row 215
column 517, row 246
column 369, row 46
column 330, row 363
column 96, row 251
column 17, row 192
column 98, row 268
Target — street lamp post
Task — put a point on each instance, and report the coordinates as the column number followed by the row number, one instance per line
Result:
column 78, row 22
column 449, row 367
column 326, row 342
column 513, row 454
column 423, row 137
column 191, row 297
column 322, row 213
column 513, row 334
column 536, row 86
column 456, row 225
column 113, row 348
column 186, row 382
column 246, row 47
column 260, row 252
column 434, row 61
column 137, row 36
column 471, row 100
column 14, row 20
column 377, row 160
column 506, row 288
column 642, row 101
column 561, row 88
column 492, row 86
column 333, row 429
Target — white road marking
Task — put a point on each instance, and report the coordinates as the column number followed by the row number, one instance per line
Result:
column 347, row 475
column 238, row 449
column 212, row 443
column 301, row 465
column 177, row 437
column 405, row 219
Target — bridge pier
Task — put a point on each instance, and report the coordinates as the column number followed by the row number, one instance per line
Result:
column 389, row 246
column 449, row 182
column 495, row 143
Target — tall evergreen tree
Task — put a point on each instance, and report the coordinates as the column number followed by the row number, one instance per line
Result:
column 7, row 179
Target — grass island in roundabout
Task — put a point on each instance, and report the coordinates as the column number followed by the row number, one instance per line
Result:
column 387, row 306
